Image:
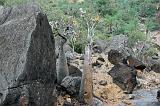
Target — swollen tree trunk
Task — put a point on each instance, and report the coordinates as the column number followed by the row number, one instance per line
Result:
column 62, row 69
column 86, row 89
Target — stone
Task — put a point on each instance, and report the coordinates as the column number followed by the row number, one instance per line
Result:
column 97, row 102
column 133, row 62
column 99, row 46
column 103, row 82
column 74, row 71
column 66, row 103
column 158, row 95
column 115, row 57
column 101, row 59
column 27, row 54
column 71, row 84
column 119, row 43
column 156, row 67
column 131, row 96
column 124, row 77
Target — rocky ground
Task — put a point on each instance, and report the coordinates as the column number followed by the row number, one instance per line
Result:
column 103, row 85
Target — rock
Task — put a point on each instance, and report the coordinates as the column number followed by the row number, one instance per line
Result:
column 74, row 71
column 97, row 63
column 119, row 43
column 133, row 62
column 127, row 102
column 158, row 95
column 82, row 57
column 66, row 103
column 131, row 96
column 115, row 57
column 97, row 49
column 124, row 77
column 99, row 46
column 71, row 84
column 70, row 55
column 103, row 82
column 97, row 102
column 27, row 54
column 101, row 59
column 156, row 67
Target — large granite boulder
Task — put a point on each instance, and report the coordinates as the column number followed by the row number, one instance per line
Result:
column 27, row 56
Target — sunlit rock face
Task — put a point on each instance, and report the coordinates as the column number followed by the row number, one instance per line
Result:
column 27, row 56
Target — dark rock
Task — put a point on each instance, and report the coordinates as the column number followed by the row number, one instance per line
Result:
column 74, row 71
column 27, row 54
column 101, row 59
column 133, row 62
column 119, row 43
column 66, row 103
column 82, row 57
column 71, row 84
column 156, row 67
column 97, row 49
column 97, row 63
column 124, row 77
column 115, row 57
column 99, row 46
column 131, row 96
column 158, row 95
column 103, row 82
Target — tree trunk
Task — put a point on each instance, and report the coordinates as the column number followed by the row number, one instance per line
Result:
column 62, row 67
column 86, row 90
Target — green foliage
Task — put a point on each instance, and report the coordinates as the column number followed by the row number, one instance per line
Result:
column 118, row 17
column 151, row 51
column 16, row 2
column 78, row 47
column 2, row 2
column 136, row 36
column 151, row 24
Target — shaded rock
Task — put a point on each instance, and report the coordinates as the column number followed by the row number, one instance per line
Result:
column 27, row 54
column 82, row 57
column 97, row 63
column 71, row 84
column 156, row 67
column 97, row 102
column 131, row 96
column 103, row 82
column 124, row 77
column 115, row 57
column 119, row 43
column 158, row 95
column 97, row 49
column 70, row 55
column 133, row 62
column 101, row 59
column 74, row 71
column 66, row 103
column 99, row 46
